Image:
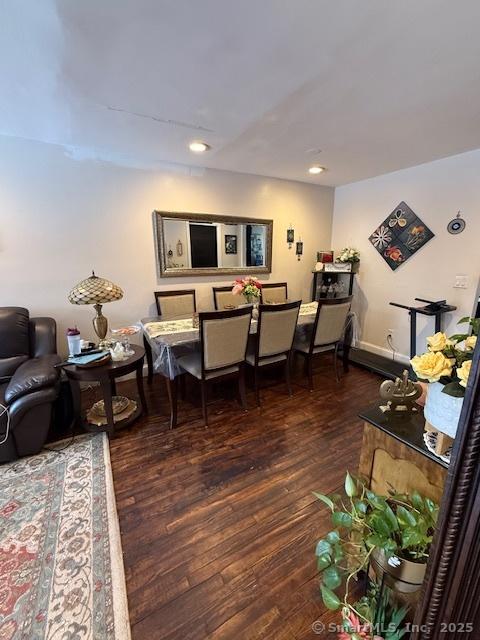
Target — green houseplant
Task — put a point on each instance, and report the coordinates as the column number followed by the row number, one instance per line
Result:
column 394, row 532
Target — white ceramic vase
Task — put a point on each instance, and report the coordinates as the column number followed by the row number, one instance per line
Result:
column 441, row 410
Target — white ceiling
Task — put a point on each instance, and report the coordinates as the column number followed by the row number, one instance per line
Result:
column 377, row 85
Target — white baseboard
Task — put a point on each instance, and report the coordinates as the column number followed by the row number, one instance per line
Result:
column 382, row 351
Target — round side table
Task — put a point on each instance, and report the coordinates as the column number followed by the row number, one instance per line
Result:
column 106, row 376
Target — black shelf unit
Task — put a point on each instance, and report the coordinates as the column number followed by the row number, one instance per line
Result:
column 327, row 278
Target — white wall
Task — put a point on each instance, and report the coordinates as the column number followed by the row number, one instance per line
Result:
column 61, row 218
column 435, row 191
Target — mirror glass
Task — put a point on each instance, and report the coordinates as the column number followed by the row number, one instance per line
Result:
column 199, row 244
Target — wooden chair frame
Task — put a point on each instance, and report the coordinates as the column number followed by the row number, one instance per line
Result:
column 220, row 290
column 262, row 310
column 274, row 285
column 168, row 294
column 310, row 355
column 219, row 315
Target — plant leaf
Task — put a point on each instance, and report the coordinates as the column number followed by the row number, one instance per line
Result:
column 361, row 506
column 405, row 518
column 417, row 501
column 380, row 525
column 331, row 578
column 323, row 547
column 454, row 389
column 330, row 599
column 325, row 499
column 350, row 486
column 459, row 337
column 391, row 518
column 333, row 537
column 411, row 538
column 342, row 519
column 337, row 553
column 323, row 562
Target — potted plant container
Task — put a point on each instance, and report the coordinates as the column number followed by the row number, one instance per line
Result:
column 402, row 575
column 446, row 367
column 391, row 535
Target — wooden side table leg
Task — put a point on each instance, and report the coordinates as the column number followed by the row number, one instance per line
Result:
column 141, row 391
column 148, row 353
column 77, row 403
column 105, row 385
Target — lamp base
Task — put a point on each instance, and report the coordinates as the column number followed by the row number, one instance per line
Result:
column 100, row 322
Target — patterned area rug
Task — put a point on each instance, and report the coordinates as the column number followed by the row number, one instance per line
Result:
column 61, row 568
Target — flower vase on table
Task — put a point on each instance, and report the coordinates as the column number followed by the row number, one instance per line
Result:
column 446, row 368
column 250, row 287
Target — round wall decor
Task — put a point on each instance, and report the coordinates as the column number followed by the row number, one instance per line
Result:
column 457, row 225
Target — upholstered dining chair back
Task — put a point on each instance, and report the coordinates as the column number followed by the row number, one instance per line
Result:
column 171, row 304
column 331, row 320
column 223, row 298
column 224, row 337
column 276, row 328
column 274, row 293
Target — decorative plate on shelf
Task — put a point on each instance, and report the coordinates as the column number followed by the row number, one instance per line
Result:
column 119, row 404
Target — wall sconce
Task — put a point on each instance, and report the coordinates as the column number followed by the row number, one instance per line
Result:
column 290, row 236
column 299, row 249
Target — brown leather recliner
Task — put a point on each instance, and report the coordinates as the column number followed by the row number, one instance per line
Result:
column 28, row 381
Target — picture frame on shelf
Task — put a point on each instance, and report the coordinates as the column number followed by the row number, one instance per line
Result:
column 325, row 256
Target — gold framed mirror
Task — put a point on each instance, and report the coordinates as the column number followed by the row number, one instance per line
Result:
column 198, row 244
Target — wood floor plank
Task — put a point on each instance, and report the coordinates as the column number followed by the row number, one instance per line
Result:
column 219, row 525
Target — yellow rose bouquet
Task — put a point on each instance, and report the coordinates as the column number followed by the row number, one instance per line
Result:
column 448, row 360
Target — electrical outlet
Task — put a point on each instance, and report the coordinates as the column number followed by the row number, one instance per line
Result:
column 390, row 333
column 461, row 282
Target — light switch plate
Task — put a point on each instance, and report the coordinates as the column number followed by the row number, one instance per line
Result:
column 461, row 282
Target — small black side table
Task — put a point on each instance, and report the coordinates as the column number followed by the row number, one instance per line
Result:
column 432, row 309
column 106, row 376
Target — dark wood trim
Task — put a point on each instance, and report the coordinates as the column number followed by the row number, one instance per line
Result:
column 452, row 590
column 164, row 272
column 170, row 294
column 215, row 290
column 274, row 285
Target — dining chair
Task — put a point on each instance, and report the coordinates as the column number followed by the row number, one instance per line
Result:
column 272, row 345
column 223, row 347
column 274, row 292
column 171, row 304
column 223, row 298
column 327, row 332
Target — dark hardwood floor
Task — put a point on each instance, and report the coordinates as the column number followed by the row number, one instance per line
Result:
column 219, row 525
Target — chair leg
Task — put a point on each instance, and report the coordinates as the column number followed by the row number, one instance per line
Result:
column 183, row 387
column 241, row 388
column 335, row 362
column 172, row 386
column 288, row 365
column 257, row 386
column 309, row 361
column 203, row 386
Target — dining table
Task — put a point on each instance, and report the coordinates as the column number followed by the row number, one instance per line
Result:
column 166, row 340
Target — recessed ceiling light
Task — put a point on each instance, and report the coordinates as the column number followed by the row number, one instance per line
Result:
column 197, row 146
column 316, row 169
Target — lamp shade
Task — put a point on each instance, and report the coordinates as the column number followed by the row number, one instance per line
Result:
column 95, row 290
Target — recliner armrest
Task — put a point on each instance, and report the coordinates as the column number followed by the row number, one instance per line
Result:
column 33, row 375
